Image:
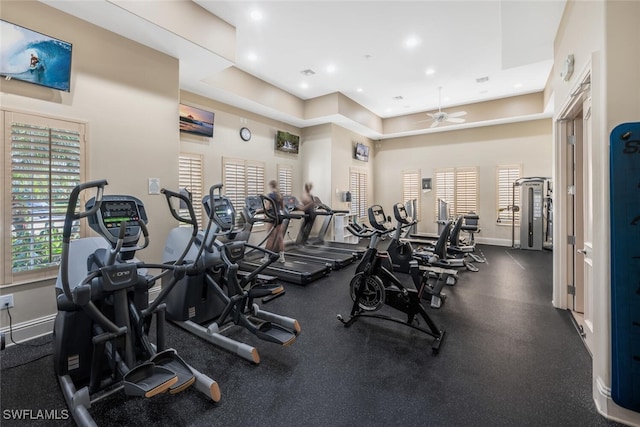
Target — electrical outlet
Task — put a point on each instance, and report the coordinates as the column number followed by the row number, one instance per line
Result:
column 6, row 301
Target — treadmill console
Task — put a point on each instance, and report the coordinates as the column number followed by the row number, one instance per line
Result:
column 223, row 211
column 290, row 203
column 115, row 211
column 252, row 205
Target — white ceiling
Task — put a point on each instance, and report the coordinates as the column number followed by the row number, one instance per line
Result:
column 508, row 41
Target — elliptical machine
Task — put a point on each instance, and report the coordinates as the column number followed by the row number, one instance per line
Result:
column 100, row 340
column 216, row 295
column 375, row 286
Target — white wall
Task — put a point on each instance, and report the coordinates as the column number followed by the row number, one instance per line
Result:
column 525, row 143
column 315, row 154
column 342, row 161
column 226, row 142
column 603, row 37
column 127, row 94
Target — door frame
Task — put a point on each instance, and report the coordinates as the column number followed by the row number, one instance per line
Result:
column 567, row 214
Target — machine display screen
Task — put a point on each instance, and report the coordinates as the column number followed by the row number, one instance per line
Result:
column 223, row 210
column 379, row 216
column 114, row 213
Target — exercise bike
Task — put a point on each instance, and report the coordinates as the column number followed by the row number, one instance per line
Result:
column 403, row 257
column 101, row 342
column 216, row 299
column 375, row 286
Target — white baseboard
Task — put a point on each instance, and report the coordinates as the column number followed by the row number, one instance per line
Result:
column 609, row 409
column 493, row 241
column 29, row 330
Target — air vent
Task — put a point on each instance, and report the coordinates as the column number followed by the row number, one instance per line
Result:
column 308, row 72
column 398, row 98
column 482, row 79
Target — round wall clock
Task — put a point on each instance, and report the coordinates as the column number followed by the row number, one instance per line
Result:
column 245, row 134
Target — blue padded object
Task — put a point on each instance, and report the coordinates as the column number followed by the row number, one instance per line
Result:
column 625, row 265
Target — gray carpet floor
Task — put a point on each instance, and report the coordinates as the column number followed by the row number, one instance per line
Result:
column 509, row 359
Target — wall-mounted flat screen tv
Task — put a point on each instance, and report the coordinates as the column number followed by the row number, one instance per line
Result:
column 196, row 121
column 34, row 57
column 287, row 142
column 361, row 152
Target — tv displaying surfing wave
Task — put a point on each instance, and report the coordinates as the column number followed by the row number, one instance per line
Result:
column 34, row 57
column 196, row 121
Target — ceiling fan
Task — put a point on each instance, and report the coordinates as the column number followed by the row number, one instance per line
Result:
column 441, row 116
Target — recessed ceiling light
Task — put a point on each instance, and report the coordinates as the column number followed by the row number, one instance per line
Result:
column 359, row 89
column 331, row 68
column 252, row 57
column 256, row 15
column 517, row 85
column 430, row 72
column 411, row 42
column 304, row 85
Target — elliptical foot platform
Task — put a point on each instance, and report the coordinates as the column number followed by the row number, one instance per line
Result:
column 169, row 359
column 148, row 379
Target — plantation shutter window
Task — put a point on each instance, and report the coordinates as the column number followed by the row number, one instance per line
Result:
column 506, row 176
column 191, row 179
column 411, row 189
column 234, row 181
column 242, row 178
column 46, row 163
column 285, row 179
column 466, row 191
column 358, row 189
column 458, row 187
column 445, row 188
column 255, row 179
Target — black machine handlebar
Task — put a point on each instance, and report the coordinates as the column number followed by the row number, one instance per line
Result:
column 361, row 232
column 270, row 209
column 192, row 220
column 72, row 216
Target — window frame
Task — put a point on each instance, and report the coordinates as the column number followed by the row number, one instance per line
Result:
column 61, row 132
column 450, row 190
column 411, row 188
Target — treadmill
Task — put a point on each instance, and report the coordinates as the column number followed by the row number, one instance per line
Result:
column 304, row 237
column 294, row 270
column 301, row 250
